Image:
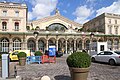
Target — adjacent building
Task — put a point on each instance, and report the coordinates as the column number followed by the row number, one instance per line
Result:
column 16, row 32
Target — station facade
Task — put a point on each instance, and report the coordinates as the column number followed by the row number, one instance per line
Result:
column 16, row 32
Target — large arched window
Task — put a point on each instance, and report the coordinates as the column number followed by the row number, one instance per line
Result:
column 56, row 27
column 16, row 44
column 16, row 26
column 4, row 26
column 31, row 45
column 4, row 45
column 80, row 45
column 41, row 45
column 87, row 45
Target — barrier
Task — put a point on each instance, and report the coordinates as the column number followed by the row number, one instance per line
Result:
column 32, row 59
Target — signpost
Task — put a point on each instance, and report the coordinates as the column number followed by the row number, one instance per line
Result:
column 52, row 53
column 52, row 50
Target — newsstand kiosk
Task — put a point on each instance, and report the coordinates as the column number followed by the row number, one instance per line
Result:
column 5, row 66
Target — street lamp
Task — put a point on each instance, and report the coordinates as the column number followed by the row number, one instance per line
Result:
column 35, row 34
column 91, row 45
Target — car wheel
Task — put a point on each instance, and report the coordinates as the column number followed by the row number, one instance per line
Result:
column 93, row 59
column 112, row 62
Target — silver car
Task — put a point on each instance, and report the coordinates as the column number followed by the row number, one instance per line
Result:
column 111, row 57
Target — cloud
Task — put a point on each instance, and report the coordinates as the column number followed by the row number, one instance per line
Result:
column 114, row 8
column 82, row 13
column 64, row 11
column 41, row 8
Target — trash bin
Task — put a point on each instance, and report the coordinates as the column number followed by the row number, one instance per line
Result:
column 5, row 66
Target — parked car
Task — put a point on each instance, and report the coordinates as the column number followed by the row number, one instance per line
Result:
column 13, row 55
column 59, row 54
column 111, row 57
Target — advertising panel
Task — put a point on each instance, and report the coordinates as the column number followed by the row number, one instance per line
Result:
column 52, row 50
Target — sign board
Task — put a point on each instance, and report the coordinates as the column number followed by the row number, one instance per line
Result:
column 52, row 50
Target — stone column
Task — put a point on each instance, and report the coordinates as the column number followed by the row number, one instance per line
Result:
column 113, row 45
column 66, row 47
column 47, row 44
column 36, row 45
column 22, row 44
column 74, row 44
column 56, row 45
column 83, row 44
column 11, row 44
column 25, row 44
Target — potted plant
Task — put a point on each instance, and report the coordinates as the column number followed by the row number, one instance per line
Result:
column 22, row 58
column 79, row 64
column 38, row 53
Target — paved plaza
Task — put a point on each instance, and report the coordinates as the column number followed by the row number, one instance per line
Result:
column 60, row 71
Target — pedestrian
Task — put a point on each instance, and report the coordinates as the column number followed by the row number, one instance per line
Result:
column 10, row 51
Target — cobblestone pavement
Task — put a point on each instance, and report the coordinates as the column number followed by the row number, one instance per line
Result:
column 60, row 71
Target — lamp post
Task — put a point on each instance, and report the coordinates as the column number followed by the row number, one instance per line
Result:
column 91, row 36
column 36, row 35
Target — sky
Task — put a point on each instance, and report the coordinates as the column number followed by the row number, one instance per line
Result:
column 79, row 11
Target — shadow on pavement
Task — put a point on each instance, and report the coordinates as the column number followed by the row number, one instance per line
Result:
column 62, row 77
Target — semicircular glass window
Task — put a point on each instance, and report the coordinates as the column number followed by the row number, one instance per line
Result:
column 56, row 27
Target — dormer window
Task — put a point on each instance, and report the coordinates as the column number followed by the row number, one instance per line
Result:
column 4, row 13
column 17, row 13
column 109, row 21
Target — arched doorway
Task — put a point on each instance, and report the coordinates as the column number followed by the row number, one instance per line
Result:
column 31, row 45
column 41, row 45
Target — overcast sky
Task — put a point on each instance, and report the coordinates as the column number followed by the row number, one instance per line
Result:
column 76, row 10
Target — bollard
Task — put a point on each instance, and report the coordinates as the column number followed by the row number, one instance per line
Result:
column 15, row 70
column 45, row 78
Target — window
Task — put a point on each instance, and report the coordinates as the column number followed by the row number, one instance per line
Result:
column 109, row 21
column 4, row 45
column 16, row 13
column 4, row 26
column 16, row 44
column 16, row 26
column 108, row 53
column 116, row 44
column 110, row 29
column 56, row 27
column 115, row 21
column 41, row 45
column 109, row 44
column 4, row 13
column 116, row 29
column 80, row 45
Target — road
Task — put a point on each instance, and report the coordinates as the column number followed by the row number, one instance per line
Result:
column 60, row 71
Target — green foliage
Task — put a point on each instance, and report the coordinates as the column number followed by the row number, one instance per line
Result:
column 28, row 27
column 21, row 54
column 47, row 28
column 32, row 29
column 38, row 53
column 79, row 60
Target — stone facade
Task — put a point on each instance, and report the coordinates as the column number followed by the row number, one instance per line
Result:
column 107, row 23
column 17, row 33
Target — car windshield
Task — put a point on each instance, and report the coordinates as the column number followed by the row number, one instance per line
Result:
column 118, row 52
